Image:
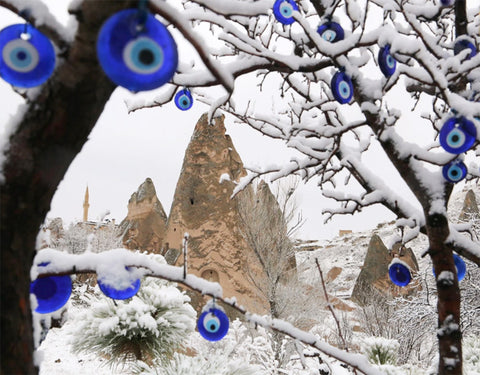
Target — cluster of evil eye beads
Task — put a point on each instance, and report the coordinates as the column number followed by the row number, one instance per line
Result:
column 53, row 292
column 134, row 49
column 399, row 272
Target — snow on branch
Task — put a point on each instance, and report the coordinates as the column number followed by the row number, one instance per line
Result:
column 49, row 262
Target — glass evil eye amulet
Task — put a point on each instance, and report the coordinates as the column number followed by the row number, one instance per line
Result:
column 283, row 11
column 457, row 135
column 342, row 87
column 454, row 171
column 462, row 44
column 213, row 324
column 331, row 32
column 115, row 293
column 386, row 61
column 184, row 100
column 399, row 274
column 27, row 56
column 459, row 265
column 136, row 51
column 52, row 292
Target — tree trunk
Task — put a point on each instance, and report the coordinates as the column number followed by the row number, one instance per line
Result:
column 50, row 135
column 448, row 305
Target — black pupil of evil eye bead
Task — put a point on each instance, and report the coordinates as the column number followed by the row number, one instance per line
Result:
column 331, row 32
column 283, row 11
column 27, row 57
column 457, row 135
column 386, row 61
column 136, row 51
column 454, row 171
column 183, row 100
column 399, row 274
column 213, row 324
column 342, row 87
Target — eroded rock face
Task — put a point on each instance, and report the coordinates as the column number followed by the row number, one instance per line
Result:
column 144, row 226
column 203, row 208
column 470, row 206
column 373, row 279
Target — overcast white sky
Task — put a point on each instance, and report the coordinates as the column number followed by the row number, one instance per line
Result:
column 124, row 149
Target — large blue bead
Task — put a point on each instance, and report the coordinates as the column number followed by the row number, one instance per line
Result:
column 386, row 61
column 331, row 31
column 27, row 56
column 342, row 87
column 457, row 135
column 399, row 274
column 52, row 292
column 115, row 293
column 136, row 56
column 213, row 324
column 283, row 11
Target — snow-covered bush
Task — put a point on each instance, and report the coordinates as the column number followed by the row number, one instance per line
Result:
column 380, row 350
column 471, row 355
column 149, row 327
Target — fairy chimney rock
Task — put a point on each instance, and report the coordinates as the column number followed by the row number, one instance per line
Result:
column 373, row 279
column 470, row 206
column 144, row 226
column 203, row 207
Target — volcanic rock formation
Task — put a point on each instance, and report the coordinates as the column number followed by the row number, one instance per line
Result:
column 144, row 226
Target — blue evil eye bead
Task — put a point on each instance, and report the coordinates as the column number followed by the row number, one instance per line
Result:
column 457, row 135
column 462, row 44
column 27, row 56
column 213, row 324
column 399, row 274
column 283, row 11
column 454, row 171
column 342, row 87
column 446, row 3
column 386, row 61
column 461, row 267
column 183, row 100
column 114, row 293
column 52, row 292
column 331, row 31
column 136, row 51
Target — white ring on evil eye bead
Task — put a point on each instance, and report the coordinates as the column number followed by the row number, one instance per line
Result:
column 286, row 9
column 344, row 89
column 211, row 323
column 329, row 35
column 10, row 55
column 455, row 173
column 460, row 138
column 135, row 47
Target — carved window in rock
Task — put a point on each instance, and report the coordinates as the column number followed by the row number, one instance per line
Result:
column 210, row 275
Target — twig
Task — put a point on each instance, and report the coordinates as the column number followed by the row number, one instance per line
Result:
column 185, row 248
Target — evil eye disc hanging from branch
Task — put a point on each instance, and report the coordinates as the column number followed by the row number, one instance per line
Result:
column 213, row 324
column 465, row 43
column 184, row 100
column 331, row 31
column 399, row 273
column 136, row 51
column 457, row 135
column 342, row 87
column 283, row 11
column 27, row 56
column 454, row 171
column 52, row 292
column 116, row 293
column 386, row 61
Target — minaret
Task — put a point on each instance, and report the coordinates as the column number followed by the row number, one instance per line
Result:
column 85, row 206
